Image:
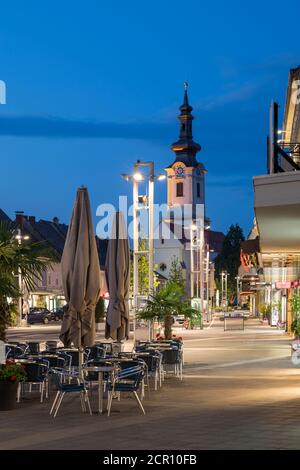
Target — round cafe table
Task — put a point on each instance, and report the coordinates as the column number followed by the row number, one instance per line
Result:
column 100, row 370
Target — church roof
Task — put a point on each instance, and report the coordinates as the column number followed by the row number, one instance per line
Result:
column 185, row 147
column 211, row 237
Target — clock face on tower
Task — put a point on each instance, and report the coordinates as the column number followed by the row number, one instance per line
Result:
column 179, row 171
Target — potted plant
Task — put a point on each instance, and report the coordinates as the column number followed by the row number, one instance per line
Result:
column 166, row 303
column 99, row 312
column 266, row 312
column 10, row 376
column 295, row 307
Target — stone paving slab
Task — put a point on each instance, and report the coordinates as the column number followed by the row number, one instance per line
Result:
column 253, row 404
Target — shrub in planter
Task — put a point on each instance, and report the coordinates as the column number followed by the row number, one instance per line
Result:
column 10, row 376
column 266, row 312
column 99, row 312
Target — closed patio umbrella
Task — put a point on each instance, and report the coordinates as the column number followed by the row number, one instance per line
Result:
column 81, row 277
column 118, row 276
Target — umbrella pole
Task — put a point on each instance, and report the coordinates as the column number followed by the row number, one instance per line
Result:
column 81, row 351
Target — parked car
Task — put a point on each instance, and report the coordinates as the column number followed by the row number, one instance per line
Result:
column 39, row 315
column 57, row 314
column 179, row 319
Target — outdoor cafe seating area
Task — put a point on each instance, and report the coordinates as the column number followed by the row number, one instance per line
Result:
column 103, row 371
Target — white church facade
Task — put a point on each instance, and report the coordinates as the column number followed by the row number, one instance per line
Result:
column 186, row 218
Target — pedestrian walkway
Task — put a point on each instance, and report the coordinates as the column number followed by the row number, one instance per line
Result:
column 240, row 391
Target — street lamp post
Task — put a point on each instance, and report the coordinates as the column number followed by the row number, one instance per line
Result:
column 238, row 291
column 197, row 244
column 20, row 238
column 226, row 290
column 222, row 289
column 224, row 276
column 137, row 177
column 208, row 251
column 192, row 279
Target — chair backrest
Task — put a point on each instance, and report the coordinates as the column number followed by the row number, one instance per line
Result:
column 133, row 374
column 73, row 354
column 55, row 361
column 34, row 347
column 130, row 363
column 96, row 352
column 35, row 372
column 56, row 378
column 106, row 346
column 51, row 345
column 150, row 360
column 141, row 347
column 13, row 351
column 170, row 356
column 67, row 358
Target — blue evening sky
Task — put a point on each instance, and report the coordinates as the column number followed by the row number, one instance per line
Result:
column 94, row 85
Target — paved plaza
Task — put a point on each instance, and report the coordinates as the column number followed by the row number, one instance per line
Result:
column 240, row 391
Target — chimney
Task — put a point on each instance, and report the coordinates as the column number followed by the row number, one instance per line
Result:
column 20, row 217
column 55, row 220
column 31, row 219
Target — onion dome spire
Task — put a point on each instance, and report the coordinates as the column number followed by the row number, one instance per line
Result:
column 185, row 148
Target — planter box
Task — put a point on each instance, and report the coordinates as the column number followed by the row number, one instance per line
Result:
column 8, row 395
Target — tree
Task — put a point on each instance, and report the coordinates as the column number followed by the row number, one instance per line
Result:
column 229, row 258
column 167, row 302
column 32, row 259
column 143, row 269
column 100, row 310
column 176, row 273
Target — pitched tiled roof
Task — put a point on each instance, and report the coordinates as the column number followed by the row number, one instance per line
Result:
column 4, row 217
column 55, row 234
column 214, row 240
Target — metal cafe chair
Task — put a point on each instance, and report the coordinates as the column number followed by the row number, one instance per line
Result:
column 172, row 357
column 64, row 389
column 152, row 360
column 36, row 374
column 127, row 380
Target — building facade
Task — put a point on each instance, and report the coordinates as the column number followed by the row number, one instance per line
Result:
column 48, row 291
column 272, row 264
column 184, row 234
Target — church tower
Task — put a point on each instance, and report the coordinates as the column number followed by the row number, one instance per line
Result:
column 186, row 182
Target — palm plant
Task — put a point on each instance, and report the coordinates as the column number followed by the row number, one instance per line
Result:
column 28, row 259
column 168, row 301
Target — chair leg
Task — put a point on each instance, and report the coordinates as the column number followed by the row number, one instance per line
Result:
column 19, row 392
column 88, row 403
column 54, row 402
column 139, row 402
column 143, row 389
column 109, row 402
column 59, row 403
column 42, row 391
column 82, row 402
